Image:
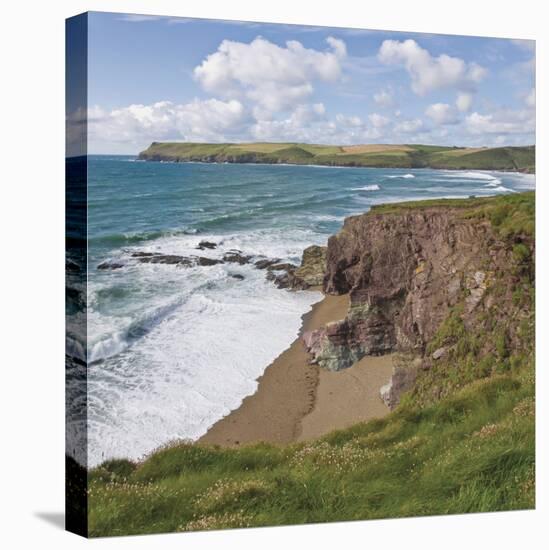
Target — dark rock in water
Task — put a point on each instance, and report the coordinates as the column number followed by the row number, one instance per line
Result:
column 172, row 259
column 202, row 245
column 266, row 263
column 281, row 274
column 282, row 267
column 287, row 275
column 281, row 281
column 109, row 265
column 71, row 266
column 76, row 297
column 201, row 260
column 236, row 257
column 237, row 276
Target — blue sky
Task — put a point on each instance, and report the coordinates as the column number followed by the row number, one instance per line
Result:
column 162, row 78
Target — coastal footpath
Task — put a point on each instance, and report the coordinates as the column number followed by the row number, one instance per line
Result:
column 441, row 294
column 515, row 159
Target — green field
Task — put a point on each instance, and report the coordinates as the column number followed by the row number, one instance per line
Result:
column 383, row 156
column 463, row 440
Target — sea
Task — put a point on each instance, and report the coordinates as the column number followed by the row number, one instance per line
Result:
column 171, row 349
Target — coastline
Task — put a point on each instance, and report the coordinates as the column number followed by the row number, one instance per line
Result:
column 405, row 156
column 297, row 401
column 351, row 166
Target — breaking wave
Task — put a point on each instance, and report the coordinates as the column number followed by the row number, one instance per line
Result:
column 374, row 187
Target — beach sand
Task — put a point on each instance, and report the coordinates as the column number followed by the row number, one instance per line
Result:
column 348, row 396
column 296, row 401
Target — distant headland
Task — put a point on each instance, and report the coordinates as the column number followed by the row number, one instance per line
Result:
column 517, row 159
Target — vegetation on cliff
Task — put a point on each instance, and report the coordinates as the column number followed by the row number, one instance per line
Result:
column 382, row 156
column 462, row 440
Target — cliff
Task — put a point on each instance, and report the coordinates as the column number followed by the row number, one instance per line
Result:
column 449, row 284
column 520, row 159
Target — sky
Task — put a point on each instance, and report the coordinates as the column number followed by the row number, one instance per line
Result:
column 179, row 79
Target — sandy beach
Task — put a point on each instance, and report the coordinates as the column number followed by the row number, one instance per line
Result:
column 348, row 396
column 297, row 401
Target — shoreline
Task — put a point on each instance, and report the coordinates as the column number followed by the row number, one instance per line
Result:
column 448, row 169
column 296, row 401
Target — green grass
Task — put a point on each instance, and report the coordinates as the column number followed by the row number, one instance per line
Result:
column 473, row 452
column 409, row 156
column 499, row 158
column 511, row 215
column 463, row 440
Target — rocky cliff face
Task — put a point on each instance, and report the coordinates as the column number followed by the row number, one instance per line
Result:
column 406, row 270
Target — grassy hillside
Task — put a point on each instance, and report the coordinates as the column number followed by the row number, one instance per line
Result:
column 473, row 452
column 383, row 156
column 461, row 441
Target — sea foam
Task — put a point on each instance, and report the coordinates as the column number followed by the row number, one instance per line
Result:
column 170, row 369
column 403, row 176
column 373, row 187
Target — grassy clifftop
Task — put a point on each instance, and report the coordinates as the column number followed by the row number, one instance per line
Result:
column 383, row 156
column 469, row 446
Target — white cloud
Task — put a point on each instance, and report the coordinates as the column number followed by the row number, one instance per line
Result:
column 409, row 126
column 384, row 98
column 135, row 126
column 349, row 121
column 274, row 77
column 132, row 128
column 309, row 123
column 501, row 122
column 306, row 114
column 264, row 91
column 464, row 101
column 442, row 113
column 430, row 73
column 305, row 123
column 339, row 47
column 378, row 121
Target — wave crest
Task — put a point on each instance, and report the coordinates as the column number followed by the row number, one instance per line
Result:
column 403, row 176
column 374, row 187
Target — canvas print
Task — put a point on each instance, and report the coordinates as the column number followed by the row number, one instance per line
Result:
column 300, row 274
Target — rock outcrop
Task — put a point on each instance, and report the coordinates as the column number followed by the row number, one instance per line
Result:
column 312, row 269
column 281, row 274
column 203, row 245
column 404, row 270
column 309, row 273
column 173, row 259
column 236, row 257
column 266, row 262
column 405, row 371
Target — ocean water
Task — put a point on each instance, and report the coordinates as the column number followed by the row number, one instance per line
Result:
column 171, row 350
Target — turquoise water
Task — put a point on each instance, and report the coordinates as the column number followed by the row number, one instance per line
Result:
column 173, row 349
